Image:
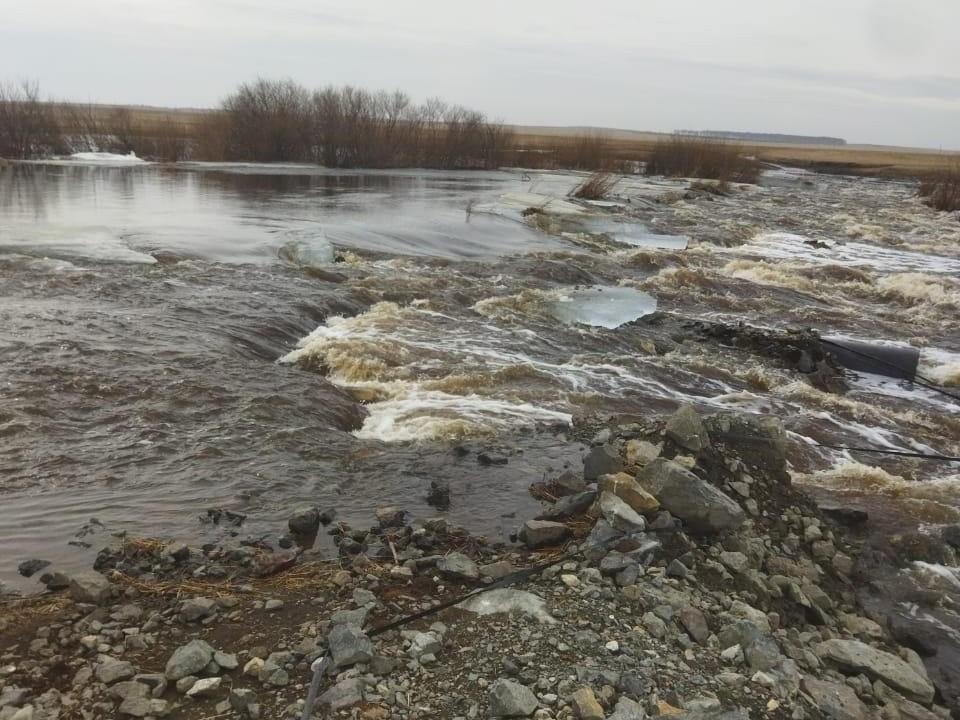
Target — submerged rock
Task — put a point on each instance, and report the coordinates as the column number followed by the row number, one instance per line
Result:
column 699, row 504
column 304, row 521
column 28, row 568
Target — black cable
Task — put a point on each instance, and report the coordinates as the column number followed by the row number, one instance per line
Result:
column 917, row 378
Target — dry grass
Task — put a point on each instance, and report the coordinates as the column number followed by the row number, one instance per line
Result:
column 21, row 611
column 595, row 187
column 682, row 156
column 941, row 190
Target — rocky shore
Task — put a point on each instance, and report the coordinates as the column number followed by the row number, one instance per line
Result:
column 695, row 582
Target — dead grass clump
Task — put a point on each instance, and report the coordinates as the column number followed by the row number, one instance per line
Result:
column 705, row 158
column 941, row 190
column 721, row 187
column 21, row 611
column 595, row 187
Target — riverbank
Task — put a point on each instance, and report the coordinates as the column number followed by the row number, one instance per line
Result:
column 707, row 584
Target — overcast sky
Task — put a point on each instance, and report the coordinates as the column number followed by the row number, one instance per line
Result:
column 876, row 71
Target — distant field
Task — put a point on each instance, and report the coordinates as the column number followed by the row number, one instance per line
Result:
column 532, row 142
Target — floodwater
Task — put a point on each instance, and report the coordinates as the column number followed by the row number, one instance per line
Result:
column 178, row 338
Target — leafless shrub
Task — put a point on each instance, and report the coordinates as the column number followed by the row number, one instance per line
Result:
column 941, row 190
column 702, row 158
column 28, row 125
column 595, row 187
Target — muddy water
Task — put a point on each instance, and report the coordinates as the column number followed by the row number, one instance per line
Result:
column 252, row 338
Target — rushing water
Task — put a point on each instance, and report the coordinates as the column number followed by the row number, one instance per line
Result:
column 255, row 337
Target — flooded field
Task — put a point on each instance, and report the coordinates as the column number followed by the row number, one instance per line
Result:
column 178, row 338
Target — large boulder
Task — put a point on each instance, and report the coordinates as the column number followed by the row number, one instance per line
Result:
column 856, row 656
column 759, row 439
column 627, row 489
column 699, row 504
column 511, row 699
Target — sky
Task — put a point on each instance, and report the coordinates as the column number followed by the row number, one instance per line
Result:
column 870, row 71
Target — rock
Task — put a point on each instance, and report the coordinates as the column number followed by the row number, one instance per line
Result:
column 585, row 705
column 225, row 661
column 110, row 670
column 508, row 601
column 736, row 562
column 897, row 707
column 768, row 450
column 178, row 551
column 204, row 687
column 627, row 489
column 835, row 701
column 860, row 626
column 497, row 570
column 28, row 568
column 155, row 681
column 439, row 494
column 677, row 569
column 601, row 460
column 640, row 453
column 686, row 429
column 90, row 587
column 273, row 604
column 856, row 656
column 569, row 506
column 144, row 707
column 540, row 533
column 951, row 535
column 273, row 673
column 695, row 624
column 843, row 514
column 655, row 626
column 241, row 699
column 253, row 667
column 488, row 458
column 185, row 683
column 304, row 521
column 509, row 699
column 128, row 689
column 459, row 566
column 188, row 659
column 570, row 483
column 701, row 506
column 762, row 654
column 198, row 608
column 349, row 645
column 389, row 517
column 423, row 644
column 55, row 580
column 344, row 694
column 627, row 709
column 619, row 515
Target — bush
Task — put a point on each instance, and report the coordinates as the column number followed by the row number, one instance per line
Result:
column 705, row 158
column 941, row 190
column 28, row 126
column 595, row 187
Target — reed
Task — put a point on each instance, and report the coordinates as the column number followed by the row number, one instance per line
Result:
column 680, row 156
column 941, row 190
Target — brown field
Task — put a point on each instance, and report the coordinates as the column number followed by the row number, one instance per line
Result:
column 565, row 147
